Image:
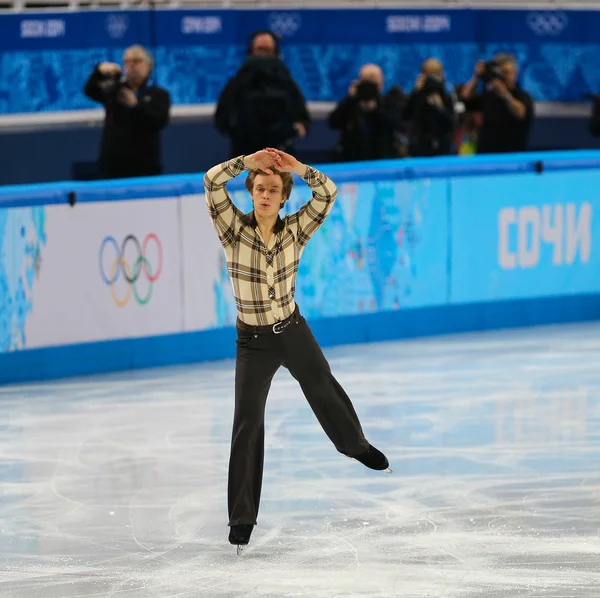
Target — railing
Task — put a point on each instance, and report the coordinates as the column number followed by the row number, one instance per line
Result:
column 11, row 123
column 31, row 5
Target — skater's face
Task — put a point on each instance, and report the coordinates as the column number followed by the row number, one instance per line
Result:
column 267, row 194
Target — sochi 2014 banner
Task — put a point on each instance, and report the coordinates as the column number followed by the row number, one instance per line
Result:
column 93, row 272
column 47, row 57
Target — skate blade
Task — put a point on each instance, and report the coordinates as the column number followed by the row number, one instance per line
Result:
column 388, row 470
column 240, row 548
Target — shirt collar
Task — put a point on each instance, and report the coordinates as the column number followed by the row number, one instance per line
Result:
column 249, row 219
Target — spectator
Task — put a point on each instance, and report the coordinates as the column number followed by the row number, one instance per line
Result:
column 466, row 132
column 262, row 106
column 370, row 122
column 507, row 109
column 430, row 113
column 136, row 112
column 594, row 125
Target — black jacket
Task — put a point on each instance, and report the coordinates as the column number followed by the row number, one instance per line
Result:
column 258, row 106
column 594, row 125
column 502, row 131
column 368, row 134
column 131, row 144
column 430, row 128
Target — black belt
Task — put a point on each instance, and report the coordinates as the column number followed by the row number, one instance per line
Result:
column 276, row 328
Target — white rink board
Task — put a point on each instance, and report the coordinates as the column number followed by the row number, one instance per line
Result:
column 73, row 298
column 203, row 264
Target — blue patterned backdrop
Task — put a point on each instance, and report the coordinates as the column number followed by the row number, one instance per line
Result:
column 45, row 59
column 383, row 247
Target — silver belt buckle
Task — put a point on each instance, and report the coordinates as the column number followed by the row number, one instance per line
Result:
column 275, row 331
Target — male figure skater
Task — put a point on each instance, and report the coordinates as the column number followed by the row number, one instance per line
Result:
column 263, row 252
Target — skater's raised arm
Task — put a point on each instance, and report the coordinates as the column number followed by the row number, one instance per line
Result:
column 222, row 211
column 324, row 192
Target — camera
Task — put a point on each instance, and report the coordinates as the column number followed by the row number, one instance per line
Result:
column 433, row 84
column 114, row 83
column 366, row 90
column 491, row 72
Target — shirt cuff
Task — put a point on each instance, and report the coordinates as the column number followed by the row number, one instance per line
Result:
column 236, row 165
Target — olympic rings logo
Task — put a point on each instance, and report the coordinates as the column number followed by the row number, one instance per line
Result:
column 547, row 23
column 139, row 267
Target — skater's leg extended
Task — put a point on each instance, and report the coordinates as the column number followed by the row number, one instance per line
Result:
column 327, row 398
column 256, row 364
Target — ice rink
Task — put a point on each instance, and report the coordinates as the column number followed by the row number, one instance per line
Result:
column 116, row 485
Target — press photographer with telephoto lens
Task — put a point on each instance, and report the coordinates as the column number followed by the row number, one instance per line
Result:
column 136, row 112
column 507, row 108
column 429, row 112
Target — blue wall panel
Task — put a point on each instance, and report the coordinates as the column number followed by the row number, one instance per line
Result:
column 383, row 249
column 525, row 236
column 45, row 58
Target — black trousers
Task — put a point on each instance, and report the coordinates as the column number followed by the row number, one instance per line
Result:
column 259, row 356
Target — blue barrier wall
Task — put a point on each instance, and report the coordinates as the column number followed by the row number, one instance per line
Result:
column 411, row 249
column 46, row 58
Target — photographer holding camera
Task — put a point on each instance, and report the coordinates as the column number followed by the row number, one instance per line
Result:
column 430, row 113
column 368, row 120
column 136, row 112
column 507, row 109
column 262, row 105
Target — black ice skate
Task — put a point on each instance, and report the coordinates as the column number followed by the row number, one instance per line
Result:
column 374, row 459
column 240, row 535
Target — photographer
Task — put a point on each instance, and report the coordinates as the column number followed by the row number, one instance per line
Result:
column 430, row 113
column 368, row 120
column 136, row 112
column 261, row 105
column 507, row 109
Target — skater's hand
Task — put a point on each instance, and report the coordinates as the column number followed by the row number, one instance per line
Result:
column 287, row 163
column 262, row 160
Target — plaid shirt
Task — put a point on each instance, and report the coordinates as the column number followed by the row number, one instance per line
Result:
column 264, row 276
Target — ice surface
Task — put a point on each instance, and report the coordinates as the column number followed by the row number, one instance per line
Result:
column 116, row 485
